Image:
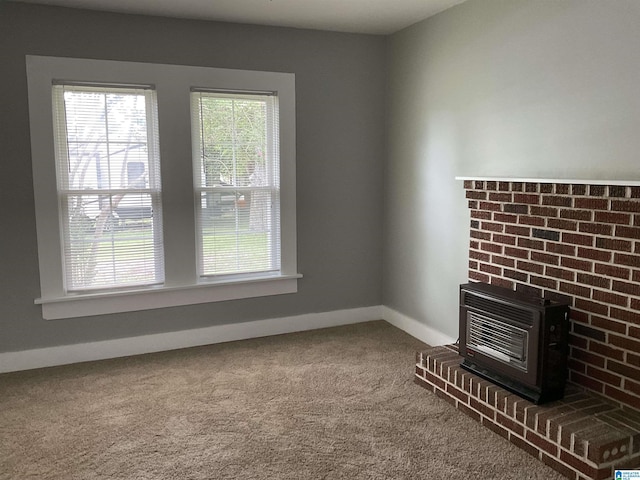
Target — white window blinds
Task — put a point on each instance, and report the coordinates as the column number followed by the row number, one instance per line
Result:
column 237, row 184
column 108, row 179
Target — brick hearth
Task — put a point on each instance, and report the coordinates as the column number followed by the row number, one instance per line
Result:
column 583, row 436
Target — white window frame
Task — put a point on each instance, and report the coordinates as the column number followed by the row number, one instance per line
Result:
column 173, row 84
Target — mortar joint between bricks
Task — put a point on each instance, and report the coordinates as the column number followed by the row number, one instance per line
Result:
column 535, row 419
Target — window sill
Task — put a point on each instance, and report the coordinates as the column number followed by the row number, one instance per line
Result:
column 84, row 305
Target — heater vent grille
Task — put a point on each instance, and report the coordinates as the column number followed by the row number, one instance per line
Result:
column 498, row 339
column 516, row 340
column 490, row 305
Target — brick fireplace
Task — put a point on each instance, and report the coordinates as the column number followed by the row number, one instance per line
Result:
column 578, row 239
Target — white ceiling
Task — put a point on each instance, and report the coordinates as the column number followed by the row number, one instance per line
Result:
column 358, row 16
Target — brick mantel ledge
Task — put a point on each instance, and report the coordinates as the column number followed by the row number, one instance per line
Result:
column 583, row 436
column 630, row 183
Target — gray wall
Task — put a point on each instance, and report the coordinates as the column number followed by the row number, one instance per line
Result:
column 489, row 87
column 340, row 156
column 498, row 88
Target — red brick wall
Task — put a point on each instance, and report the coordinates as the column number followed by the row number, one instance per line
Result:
column 578, row 240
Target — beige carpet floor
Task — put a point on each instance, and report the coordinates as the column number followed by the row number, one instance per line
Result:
column 337, row 403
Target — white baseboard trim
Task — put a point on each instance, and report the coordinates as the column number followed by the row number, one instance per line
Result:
column 415, row 328
column 123, row 347
column 84, row 352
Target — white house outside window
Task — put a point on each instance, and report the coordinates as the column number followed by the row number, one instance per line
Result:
column 160, row 185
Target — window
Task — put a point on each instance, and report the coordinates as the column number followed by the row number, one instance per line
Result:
column 108, row 171
column 237, row 160
column 160, row 185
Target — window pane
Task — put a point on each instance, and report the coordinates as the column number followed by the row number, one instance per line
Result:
column 126, row 117
column 233, row 137
column 84, row 112
column 236, row 233
column 110, row 240
column 105, row 132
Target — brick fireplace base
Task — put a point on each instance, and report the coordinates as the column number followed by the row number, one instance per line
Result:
column 582, row 436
